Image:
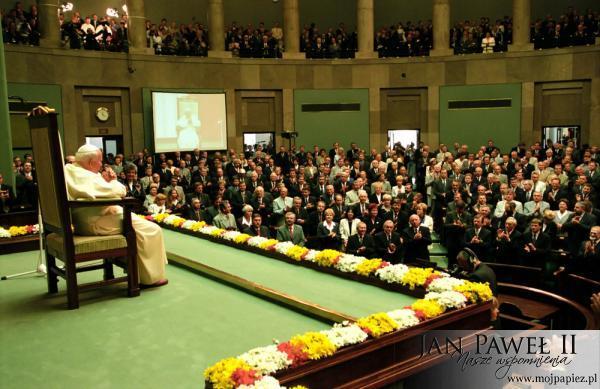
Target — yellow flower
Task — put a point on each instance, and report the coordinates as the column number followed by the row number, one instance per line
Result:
column 267, row 244
column 299, row 387
column 217, row 232
column 17, row 230
column 160, row 217
column 475, row 291
column 178, row 222
column 327, row 257
column 429, row 308
column 220, row 373
column 368, row 266
column 314, row 344
column 242, row 238
column 297, row 252
column 377, row 324
column 416, row 276
column 197, row 226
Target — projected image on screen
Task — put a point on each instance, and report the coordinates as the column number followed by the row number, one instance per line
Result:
column 188, row 121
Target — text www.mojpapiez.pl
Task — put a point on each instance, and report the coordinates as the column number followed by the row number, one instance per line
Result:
column 553, row 379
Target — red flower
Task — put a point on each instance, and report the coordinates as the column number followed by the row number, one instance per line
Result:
column 29, row 229
column 294, row 353
column 244, row 377
column 430, row 279
column 383, row 264
column 150, row 218
column 420, row 315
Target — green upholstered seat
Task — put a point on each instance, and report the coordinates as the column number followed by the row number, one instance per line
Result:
column 86, row 244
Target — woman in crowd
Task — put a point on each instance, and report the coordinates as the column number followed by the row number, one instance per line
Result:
column 328, row 232
column 245, row 221
column 426, row 220
column 174, row 203
column 348, row 226
column 562, row 214
column 159, row 205
column 151, row 196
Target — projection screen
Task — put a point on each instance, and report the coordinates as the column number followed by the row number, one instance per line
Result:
column 188, row 121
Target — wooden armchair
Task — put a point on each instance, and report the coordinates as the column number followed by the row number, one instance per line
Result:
column 60, row 240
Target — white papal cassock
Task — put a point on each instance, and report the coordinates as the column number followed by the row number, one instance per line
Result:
column 83, row 184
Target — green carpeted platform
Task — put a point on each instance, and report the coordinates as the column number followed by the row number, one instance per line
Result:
column 335, row 293
column 164, row 338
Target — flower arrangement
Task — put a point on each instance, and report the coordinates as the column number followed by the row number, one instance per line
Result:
column 207, row 230
column 377, row 324
column 221, row 373
column 404, row 318
column 427, row 308
column 345, row 334
column 242, row 238
column 444, row 284
column 475, row 292
column 369, row 266
column 266, row 382
column 327, row 258
column 416, row 276
column 256, row 241
column 348, row 263
column 392, row 274
column 160, row 217
column 217, row 232
column 19, row 230
column 297, row 253
column 265, row 360
column 197, row 226
column 230, row 235
column 448, row 299
column 268, row 244
column 283, row 247
column 315, row 344
column 295, row 353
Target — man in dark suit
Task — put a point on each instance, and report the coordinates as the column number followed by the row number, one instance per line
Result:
column 165, row 173
column 238, row 197
column 339, row 211
column 476, row 271
column 536, row 244
column 417, row 238
column 388, row 243
column 578, row 226
column 398, row 215
column 290, row 231
column 320, row 188
column 361, row 243
column 7, row 197
column 26, row 184
column 261, row 203
column 308, row 202
column 199, row 194
column 457, row 222
column 315, row 218
column 257, row 229
column 554, row 194
column 195, row 212
column 283, row 159
column 300, row 212
column 508, row 242
column 478, row 238
column 439, row 192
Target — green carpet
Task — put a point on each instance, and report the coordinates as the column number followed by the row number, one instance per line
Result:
column 164, row 338
column 350, row 297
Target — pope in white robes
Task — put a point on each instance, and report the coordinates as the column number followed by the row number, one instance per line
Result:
column 85, row 182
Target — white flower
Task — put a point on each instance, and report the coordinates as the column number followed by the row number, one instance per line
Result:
column 310, row 256
column 444, row 284
column 187, row 225
column 4, row 233
column 255, row 241
column 207, row 229
column 266, row 360
column 448, row 299
column 231, row 235
column 404, row 317
column 283, row 247
column 266, row 382
column 169, row 220
column 341, row 335
column 35, row 229
column 392, row 273
column 348, row 263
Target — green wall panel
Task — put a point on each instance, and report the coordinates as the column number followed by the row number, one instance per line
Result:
column 475, row 126
column 325, row 128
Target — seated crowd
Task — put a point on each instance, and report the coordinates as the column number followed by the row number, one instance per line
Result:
column 20, row 26
column 518, row 206
column 254, row 42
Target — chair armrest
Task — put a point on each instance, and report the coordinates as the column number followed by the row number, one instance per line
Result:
column 126, row 202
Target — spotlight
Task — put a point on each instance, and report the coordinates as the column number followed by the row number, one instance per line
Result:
column 112, row 12
column 66, row 7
